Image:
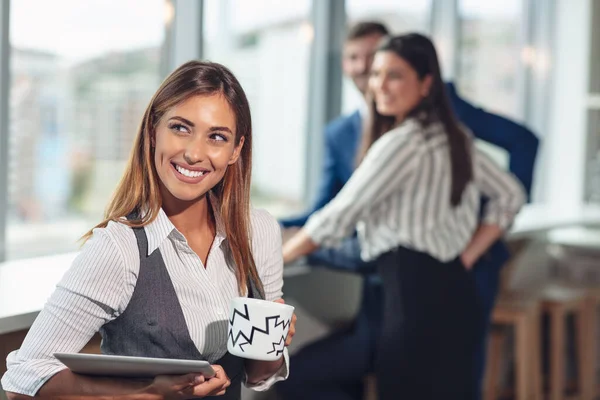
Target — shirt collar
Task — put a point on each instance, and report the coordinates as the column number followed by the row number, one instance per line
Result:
column 408, row 125
column 162, row 228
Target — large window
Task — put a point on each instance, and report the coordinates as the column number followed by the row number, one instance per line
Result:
column 266, row 43
column 82, row 73
column 490, row 54
column 399, row 16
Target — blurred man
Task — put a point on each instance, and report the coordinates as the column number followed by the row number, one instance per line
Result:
column 334, row 368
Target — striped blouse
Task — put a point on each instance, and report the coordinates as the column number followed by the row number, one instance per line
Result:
column 99, row 284
column 400, row 196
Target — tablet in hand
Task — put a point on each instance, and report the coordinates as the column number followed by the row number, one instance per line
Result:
column 132, row 367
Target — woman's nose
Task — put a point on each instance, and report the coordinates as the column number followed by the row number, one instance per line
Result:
column 379, row 83
column 195, row 152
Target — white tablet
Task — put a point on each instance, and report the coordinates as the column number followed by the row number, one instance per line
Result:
column 132, row 367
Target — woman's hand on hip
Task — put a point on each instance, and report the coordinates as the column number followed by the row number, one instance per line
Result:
column 467, row 260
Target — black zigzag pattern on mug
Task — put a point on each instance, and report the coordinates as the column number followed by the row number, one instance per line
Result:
column 282, row 340
column 250, row 339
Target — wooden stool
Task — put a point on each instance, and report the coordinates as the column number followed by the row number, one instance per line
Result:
column 558, row 302
column 495, row 348
column 588, row 362
column 592, row 304
column 591, row 320
column 523, row 314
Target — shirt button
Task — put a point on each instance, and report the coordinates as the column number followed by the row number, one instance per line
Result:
column 220, row 312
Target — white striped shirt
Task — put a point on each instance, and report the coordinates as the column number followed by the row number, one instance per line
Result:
column 400, row 196
column 100, row 283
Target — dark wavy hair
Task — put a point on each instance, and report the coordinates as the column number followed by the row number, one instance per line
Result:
column 418, row 51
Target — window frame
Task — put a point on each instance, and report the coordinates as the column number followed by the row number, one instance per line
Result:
column 4, row 118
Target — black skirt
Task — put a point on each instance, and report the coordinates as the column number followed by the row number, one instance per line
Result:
column 431, row 317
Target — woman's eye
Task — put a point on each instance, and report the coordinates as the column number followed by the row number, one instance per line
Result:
column 217, row 137
column 179, row 128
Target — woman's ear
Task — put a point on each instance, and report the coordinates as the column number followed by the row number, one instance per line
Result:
column 426, row 85
column 236, row 152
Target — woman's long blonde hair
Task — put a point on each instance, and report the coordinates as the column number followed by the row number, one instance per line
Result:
column 139, row 186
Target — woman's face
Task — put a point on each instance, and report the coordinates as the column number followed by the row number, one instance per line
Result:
column 193, row 146
column 396, row 86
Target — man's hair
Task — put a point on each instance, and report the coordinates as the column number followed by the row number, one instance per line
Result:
column 366, row 28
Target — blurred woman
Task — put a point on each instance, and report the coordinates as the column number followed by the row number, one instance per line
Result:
column 414, row 200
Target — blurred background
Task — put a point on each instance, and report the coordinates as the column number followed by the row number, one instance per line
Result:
column 75, row 77
column 81, row 74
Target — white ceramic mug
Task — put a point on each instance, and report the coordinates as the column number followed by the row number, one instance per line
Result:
column 258, row 328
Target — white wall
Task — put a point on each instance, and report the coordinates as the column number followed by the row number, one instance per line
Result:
column 566, row 140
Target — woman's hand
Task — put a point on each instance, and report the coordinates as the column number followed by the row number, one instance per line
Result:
column 483, row 238
column 292, row 331
column 468, row 260
column 190, row 385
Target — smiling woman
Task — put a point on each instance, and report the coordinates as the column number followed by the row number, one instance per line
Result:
column 195, row 142
column 198, row 103
column 179, row 241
